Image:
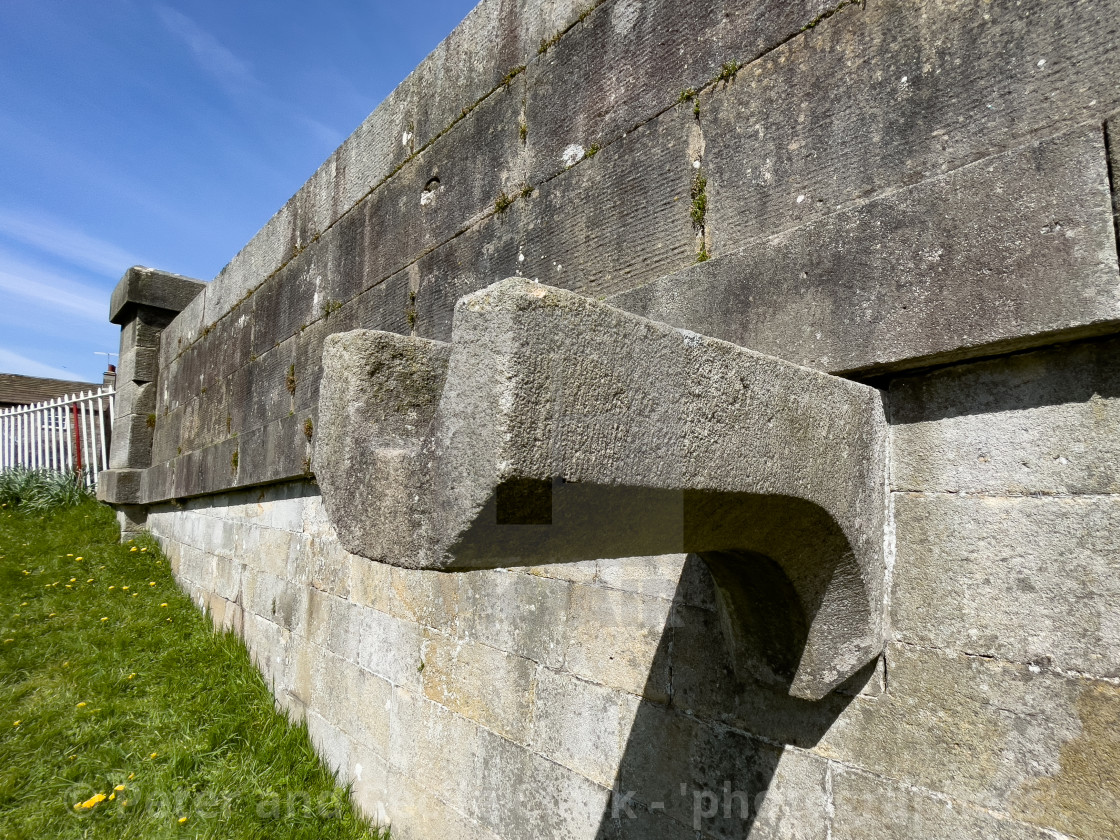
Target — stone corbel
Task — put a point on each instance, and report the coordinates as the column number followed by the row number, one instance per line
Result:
column 557, row 428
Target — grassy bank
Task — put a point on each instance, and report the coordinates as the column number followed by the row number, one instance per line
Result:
column 123, row 715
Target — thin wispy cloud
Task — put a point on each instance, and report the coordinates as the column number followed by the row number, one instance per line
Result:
column 65, row 242
column 12, row 362
column 42, row 286
column 213, row 57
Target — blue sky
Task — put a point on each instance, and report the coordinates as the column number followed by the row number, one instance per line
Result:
column 166, row 134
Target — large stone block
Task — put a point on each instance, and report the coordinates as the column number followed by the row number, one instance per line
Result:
column 945, row 269
column 721, row 782
column 119, row 487
column 879, row 97
column 151, row 288
column 1022, row 579
column 1042, row 422
column 556, row 427
column 414, row 813
column 498, row 37
column 135, row 399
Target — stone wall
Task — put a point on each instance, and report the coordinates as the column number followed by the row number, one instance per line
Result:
column 511, row 703
column 920, row 196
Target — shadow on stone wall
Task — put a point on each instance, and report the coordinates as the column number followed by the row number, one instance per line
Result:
column 705, row 750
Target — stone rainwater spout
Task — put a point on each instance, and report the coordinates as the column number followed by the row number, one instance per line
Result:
column 558, row 428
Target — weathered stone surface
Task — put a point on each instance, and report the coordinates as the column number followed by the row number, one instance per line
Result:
column 461, row 676
column 132, row 519
column 1024, row 579
column 390, row 648
column 438, row 747
column 948, row 268
column 1028, row 741
column 132, row 443
column 580, row 725
column 869, row 807
column 613, row 638
column 135, row 399
column 520, row 794
column 879, row 97
column 119, row 487
column 148, row 287
column 627, row 61
column 578, row 231
column 138, row 365
column 658, row 577
column 718, row 781
column 566, row 429
column 140, row 331
column 517, row 613
column 1042, row 422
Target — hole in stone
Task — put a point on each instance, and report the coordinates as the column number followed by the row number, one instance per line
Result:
column 431, row 189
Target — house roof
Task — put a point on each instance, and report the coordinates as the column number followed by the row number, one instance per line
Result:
column 26, row 390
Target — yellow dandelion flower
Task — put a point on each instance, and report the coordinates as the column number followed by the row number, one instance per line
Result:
column 112, row 588
column 17, row 723
column 124, row 803
column 82, row 704
column 153, row 583
column 133, row 549
column 135, row 594
column 92, row 802
column 131, row 776
column 163, row 605
column 153, row 755
column 143, row 550
column 26, row 572
column 112, row 796
column 52, row 615
column 182, row 820
column 76, row 559
column 90, row 580
column 119, row 788
column 73, row 580
column 130, row 676
column 125, row 588
column 69, row 555
column 68, row 586
column 106, row 618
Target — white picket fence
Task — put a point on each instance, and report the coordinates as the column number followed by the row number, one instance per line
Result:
column 68, row 434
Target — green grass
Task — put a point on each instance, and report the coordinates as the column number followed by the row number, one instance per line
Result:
column 109, row 680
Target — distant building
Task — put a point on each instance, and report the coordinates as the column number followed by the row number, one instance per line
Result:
column 27, row 390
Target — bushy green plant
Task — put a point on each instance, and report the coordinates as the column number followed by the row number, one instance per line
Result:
column 41, row 490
